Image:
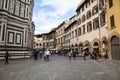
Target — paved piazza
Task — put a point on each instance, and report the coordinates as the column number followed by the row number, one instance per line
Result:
column 59, row 68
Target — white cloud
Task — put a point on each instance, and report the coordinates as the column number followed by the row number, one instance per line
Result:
column 45, row 20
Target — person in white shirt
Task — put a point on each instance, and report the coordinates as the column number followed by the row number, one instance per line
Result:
column 47, row 53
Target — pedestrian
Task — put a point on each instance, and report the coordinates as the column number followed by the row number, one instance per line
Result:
column 44, row 56
column 40, row 54
column 35, row 54
column 92, row 55
column 47, row 53
column 95, row 54
column 84, row 54
column 6, row 57
column 69, row 55
column 74, row 53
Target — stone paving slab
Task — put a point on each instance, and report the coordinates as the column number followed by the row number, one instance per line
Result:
column 59, row 68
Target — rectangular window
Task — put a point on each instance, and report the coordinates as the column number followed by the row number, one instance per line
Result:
column 83, row 29
column 83, row 18
column 102, row 2
column 79, row 21
column 89, row 26
column 72, row 34
column 96, row 23
column 86, row 5
column 43, row 44
column 22, row 10
column 69, row 35
column 37, row 44
column 89, row 2
column 76, row 33
column 11, row 37
column 102, row 19
column 95, row 10
column 59, row 41
column 110, row 3
column 88, row 14
column 17, row 8
column 18, row 38
column 11, row 6
column 40, row 44
column 83, row 8
column 112, row 21
column 79, row 31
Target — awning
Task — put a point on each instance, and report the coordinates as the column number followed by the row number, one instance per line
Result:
column 95, row 46
column 85, row 47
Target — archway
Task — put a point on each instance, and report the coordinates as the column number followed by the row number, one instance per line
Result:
column 115, row 48
column 86, row 45
column 96, row 48
column 80, row 47
column 105, row 47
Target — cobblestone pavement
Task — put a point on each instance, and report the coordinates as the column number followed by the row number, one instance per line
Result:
column 59, row 68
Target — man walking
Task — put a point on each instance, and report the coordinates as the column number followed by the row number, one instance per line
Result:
column 6, row 57
column 74, row 53
column 69, row 55
column 47, row 53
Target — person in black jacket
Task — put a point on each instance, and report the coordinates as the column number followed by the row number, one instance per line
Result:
column 35, row 54
column 6, row 57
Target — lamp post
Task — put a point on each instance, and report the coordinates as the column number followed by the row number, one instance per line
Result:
column 99, row 31
column 101, row 6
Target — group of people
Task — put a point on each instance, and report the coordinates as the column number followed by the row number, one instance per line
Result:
column 46, row 54
column 93, row 54
column 73, row 53
column 40, row 53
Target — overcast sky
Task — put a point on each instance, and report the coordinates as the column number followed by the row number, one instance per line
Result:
column 48, row 14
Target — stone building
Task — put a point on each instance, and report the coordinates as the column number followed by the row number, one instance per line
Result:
column 60, row 35
column 89, row 29
column 70, row 33
column 113, row 13
column 16, row 27
column 52, row 39
column 45, row 40
column 38, row 38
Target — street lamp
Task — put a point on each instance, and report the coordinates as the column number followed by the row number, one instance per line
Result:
column 102, row 9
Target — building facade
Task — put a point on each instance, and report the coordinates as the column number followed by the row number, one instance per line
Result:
column 60, row 35
column 70, row 33
column 16, row 27
column 95, row 27
column 52, row 39
column 38, row 41
column 45, row 41
column 89, row 28
column 114, row 27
